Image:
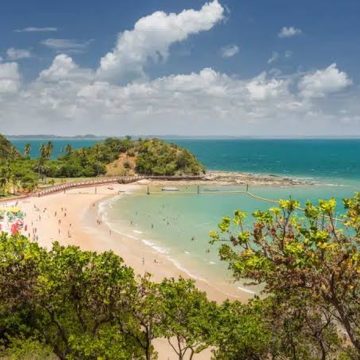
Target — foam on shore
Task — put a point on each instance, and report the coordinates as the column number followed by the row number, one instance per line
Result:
column 164, row 252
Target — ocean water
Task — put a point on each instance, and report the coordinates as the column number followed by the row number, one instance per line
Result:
column 177, row 224
column 310, row 158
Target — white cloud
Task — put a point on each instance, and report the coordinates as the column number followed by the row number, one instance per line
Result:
column 229, row 51
column 37, row 29
column 261, row 88
column 68, row 45
column 287, row 32
column 64, row 68
column 274, row 57
column 18, row 54
column 151, row 38
column 322, row 82
column 9, row 78
column 277, row 57
column 67, row 99
column 288, row 54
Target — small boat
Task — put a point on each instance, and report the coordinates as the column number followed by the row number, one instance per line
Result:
column 169, row 189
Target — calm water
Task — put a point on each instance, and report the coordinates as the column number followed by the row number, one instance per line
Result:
column 178, row 224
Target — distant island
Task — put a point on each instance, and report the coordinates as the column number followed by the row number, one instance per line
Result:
column 48, row 137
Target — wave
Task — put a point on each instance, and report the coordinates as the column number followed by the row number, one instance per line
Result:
column 103, row 212
column 246, row 290
column 156, row 247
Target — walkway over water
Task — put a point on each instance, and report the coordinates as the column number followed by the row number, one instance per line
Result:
column 110, row 180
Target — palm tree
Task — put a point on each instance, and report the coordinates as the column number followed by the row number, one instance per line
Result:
column 68, row 149
column 27, row 150
column 44, row 151
column 49, row 148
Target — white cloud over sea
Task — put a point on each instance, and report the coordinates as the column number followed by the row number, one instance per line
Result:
column 118, row 97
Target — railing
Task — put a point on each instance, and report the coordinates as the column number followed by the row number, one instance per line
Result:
column 108, row 180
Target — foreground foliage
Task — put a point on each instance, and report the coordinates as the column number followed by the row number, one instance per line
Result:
column 66, row 303
column 309, row 263
column 84, row 305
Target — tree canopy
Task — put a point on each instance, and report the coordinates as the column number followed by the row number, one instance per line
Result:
column 113, row 156
column 309, row 263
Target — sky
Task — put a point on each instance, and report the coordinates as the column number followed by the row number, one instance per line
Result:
column 180, row 67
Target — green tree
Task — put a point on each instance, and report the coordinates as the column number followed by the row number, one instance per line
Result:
column 187, row 318
column 304, row 257
column 27, row 150
column 68, row 149
column 49, row 149
column 146, row 308
column 74, row 301
column 242, row 332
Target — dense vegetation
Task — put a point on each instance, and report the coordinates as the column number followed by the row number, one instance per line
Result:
column 114, row 156
column 7, row 150
column 71, row 304
column 309, row 264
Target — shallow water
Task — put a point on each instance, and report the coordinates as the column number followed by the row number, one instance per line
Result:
column 177, row 224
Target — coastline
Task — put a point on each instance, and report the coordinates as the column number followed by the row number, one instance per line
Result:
column 78, row 210
column 72, row 219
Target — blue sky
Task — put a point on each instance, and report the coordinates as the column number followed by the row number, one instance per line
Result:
column 280, row 67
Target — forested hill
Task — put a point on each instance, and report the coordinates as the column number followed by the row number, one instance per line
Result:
column 115, row 156
column 110, row 157
column 7, row 150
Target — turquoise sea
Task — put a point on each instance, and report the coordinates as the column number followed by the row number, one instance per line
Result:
column 177, row 224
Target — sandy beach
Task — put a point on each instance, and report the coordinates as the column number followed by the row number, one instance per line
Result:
column 72, row 218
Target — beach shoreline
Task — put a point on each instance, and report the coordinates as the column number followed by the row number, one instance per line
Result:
column 72, row 218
